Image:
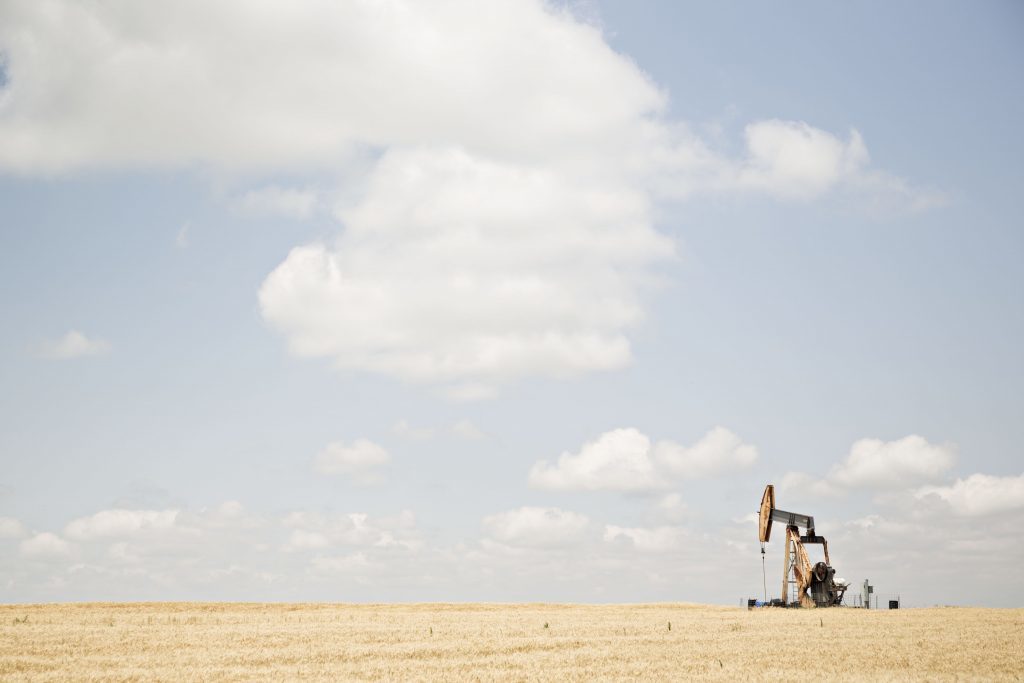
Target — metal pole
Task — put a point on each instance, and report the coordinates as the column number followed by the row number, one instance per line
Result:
column 764, row 575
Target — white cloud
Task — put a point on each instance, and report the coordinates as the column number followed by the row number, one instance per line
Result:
column 979, row 494
column 361, row 460
column 304, row 84
column 796, row 161
column 655, row 539
column 74, row 344
column 719, row 451
column 536, row 527
column 465, row 272
column 624, row 460
column 893, row 464
column 290, row 202
column 791, row 160
column 505, row 230
column 11, row 528
column 619, row 460
column 119, row 522
column 45, row 545
column 880, row 466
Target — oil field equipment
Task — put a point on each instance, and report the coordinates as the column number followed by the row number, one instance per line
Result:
column 815, row 585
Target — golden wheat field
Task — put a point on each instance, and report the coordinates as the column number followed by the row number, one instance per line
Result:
column 193, row 641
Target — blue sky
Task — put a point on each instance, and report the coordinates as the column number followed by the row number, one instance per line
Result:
column 300, row 309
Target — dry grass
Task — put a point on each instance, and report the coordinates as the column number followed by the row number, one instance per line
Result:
column 175, row 641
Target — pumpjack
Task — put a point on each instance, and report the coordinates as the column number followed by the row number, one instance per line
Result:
column 815, row 585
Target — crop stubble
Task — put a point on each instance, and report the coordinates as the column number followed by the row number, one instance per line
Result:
column 175, row 641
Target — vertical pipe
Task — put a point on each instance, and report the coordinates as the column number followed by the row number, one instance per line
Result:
column 785, row 569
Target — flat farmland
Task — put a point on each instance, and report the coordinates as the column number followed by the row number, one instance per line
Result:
column 204, row 641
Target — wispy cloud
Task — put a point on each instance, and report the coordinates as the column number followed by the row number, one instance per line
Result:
column 463, row 429
column 181, row 239
column 290, row 202
column 74, row 344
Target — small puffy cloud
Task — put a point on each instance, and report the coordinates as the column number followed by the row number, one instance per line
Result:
column 797, row 161
column 272, row 200
column 718, row 451
column 115, row 523
column 44, row 545
column 655, row 539
column 11, row 528
column 536, row 527
column 619, row 460
column 979, row 494
column 74, row 344
column 361, row 460
column 880, row 466
column 624, row 460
